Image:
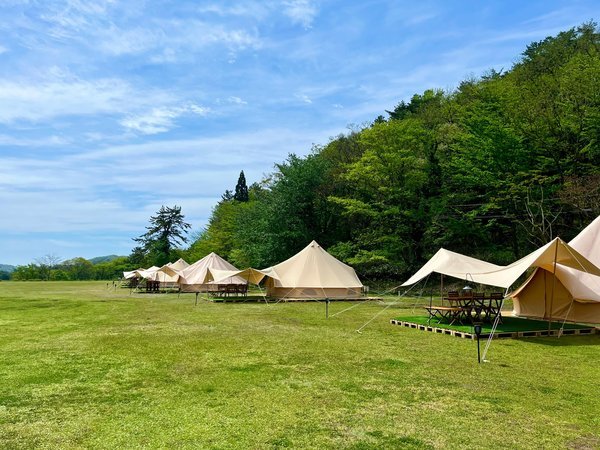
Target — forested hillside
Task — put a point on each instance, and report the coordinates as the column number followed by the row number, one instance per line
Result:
column 493, row 169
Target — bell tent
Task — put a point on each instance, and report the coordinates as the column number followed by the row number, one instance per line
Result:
column 198, row 278
column 561, row 292
column 312, row 273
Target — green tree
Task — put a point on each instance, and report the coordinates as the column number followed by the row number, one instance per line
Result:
column 46, row 264
column 166, row 231
column 241, row 189
column 29, row 272
column 79, row 269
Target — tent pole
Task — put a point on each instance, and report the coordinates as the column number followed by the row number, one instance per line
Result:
column 553, row 286
column 441, row 288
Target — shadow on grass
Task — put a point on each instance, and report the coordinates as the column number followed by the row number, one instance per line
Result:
column 564, row 341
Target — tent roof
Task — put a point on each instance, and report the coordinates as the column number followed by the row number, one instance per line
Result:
column 253, row 276
column 148, row 273
column 311, row 267
column 582, row 284
column 198, row 273
column 132, row 273
column 178, row 265
column 544, row 258
column 451, row 264
column 588, row 242
column 464, row 267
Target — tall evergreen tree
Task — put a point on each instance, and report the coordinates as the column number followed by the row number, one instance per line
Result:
column 167, row 229
column 241, row 189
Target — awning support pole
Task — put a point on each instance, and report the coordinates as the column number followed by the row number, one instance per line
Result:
column 553, row 286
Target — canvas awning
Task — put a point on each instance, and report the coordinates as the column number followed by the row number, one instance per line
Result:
column 452, row 264
column 557, row 251
column 148, row 273
column 477, row 271
column 253, row 276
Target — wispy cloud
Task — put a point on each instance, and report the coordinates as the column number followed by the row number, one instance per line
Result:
column 46, row 141
column 34, row 101
column 258, row 10
column 57, row 93
column 170, row 38
column 304, row 98
column 236, row 100
column 160, row 120
column 302, row 12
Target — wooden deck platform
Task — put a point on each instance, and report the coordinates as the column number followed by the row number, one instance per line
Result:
column 498, row 335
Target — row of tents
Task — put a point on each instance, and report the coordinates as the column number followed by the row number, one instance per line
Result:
column 564, row 283
column 311, row 273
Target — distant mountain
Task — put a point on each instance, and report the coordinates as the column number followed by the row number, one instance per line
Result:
column 102, row 259
column 7, row 268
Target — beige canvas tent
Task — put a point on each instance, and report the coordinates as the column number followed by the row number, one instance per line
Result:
column 148, row 273
column 573, row 296
column 311, row 273
column 563, row 292
column 179, row 265
column 198, row 278
column 132, row 274
column 169, row 273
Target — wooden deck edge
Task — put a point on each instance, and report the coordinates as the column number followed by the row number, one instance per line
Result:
column 497, row 335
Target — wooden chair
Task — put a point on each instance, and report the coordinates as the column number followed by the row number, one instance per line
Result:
column 479, row 305
column 243, row 290
column 495, row 305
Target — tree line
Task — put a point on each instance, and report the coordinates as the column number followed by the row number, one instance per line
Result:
column 493, row 169
column 52, row 268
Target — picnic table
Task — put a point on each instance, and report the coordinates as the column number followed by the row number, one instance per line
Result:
column 233, row 289
column 467, row 307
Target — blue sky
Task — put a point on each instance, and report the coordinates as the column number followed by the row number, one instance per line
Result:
column 110, row 109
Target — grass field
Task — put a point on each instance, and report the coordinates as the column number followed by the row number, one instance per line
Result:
column 83, row 366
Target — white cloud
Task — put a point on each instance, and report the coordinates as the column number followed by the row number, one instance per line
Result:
column 54, row 96
column 236, row 100
column 116, row 189
column 304, row 98
column 116, row 41
column 48, row 141
column 302, row 12
column 167, row 40
column 160, row 120
column 254, row 9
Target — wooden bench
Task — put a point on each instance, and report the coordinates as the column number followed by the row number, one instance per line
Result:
column 451, row 313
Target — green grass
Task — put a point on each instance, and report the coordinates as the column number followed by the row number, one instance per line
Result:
column 508, row 325
column 86, row 367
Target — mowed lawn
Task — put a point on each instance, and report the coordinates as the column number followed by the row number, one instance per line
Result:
column 83, row 366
